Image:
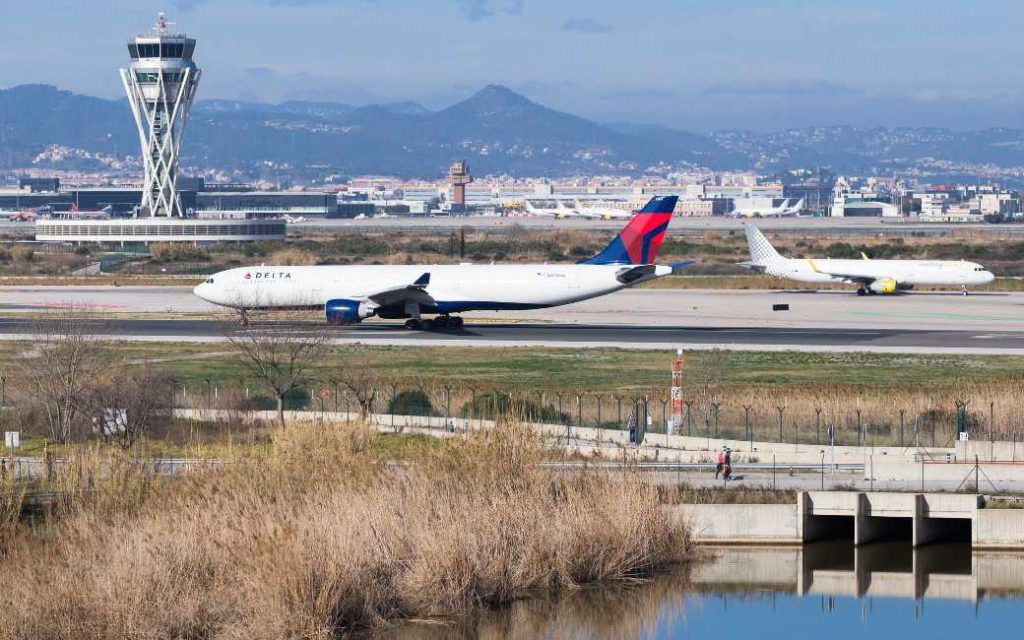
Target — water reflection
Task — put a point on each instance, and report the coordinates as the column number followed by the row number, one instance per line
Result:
column 828, row 589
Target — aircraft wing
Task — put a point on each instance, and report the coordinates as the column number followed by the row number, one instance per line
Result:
column 849, row 277
column 415, row 291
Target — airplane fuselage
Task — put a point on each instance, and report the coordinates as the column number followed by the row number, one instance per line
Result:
column 904, row 272
column 452, row 288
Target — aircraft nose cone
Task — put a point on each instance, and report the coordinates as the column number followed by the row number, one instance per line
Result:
column 200, row 290
column 989, row 277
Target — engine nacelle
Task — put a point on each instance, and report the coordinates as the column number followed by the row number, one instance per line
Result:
column 884, row 285
column 346, row 311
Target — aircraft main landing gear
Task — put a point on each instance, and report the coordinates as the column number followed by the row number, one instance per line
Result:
column 862, row 291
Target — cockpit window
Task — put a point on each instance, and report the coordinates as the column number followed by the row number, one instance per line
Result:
column 209, row 281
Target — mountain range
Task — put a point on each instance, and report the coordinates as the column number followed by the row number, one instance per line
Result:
column 498, row 130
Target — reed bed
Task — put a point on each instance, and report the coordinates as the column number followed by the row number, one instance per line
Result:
column 317, row 538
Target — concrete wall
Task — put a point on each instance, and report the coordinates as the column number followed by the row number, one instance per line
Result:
column 999, row 529
column 986, row 451
column 744, row 523
column 997, row 476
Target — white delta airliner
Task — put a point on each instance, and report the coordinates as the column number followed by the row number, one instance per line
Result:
column 349, row 294
column 870, row 276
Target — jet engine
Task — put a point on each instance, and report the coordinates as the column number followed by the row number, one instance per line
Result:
column 346, row 311
column 884, row 285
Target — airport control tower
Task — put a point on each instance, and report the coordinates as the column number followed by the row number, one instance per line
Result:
column 459, row 177
column 161, row 82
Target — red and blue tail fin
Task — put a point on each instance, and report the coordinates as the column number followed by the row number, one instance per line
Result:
column 638, row 243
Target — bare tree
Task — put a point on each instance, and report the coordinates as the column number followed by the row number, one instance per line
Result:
column 124, row 407
column 59, row 365
column 281, row 357
column 363, row 382
column 709, row 379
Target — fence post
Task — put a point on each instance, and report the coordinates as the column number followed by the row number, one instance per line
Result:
column 902, row 413
column 817, row 426
column 991, row 442
column 746, row 425
column 391, row 408
column 780, row 410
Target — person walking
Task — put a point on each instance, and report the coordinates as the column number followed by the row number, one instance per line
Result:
column 727, row 464
column 719, row 464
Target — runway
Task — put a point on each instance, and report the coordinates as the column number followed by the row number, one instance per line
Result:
column 982, row 323
column 569, row 335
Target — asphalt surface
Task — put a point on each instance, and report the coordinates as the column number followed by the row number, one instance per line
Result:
column 524, row 334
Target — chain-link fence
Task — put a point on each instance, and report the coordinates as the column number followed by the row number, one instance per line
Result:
column 774, row 418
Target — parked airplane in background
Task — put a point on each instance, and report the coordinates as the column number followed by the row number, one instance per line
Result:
column 603, row 213
column 103, row 214
column 557, row 211
column 870, row 276
column 348, row 294
column 766, row 207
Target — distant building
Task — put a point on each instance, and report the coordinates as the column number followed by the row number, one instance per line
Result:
column 867, row 209
column 699, row 208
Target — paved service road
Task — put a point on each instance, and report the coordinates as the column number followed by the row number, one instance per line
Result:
column 575, row 335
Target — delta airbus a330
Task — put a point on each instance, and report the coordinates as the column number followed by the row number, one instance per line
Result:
column 349, row 294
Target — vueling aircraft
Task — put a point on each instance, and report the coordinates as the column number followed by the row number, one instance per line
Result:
column 870, row 276
column 348, row 294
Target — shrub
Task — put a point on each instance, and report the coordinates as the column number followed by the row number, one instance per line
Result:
column 292, row 257
column 411, row 403
column 177, row 252
column 499, row 405
column 24, row 255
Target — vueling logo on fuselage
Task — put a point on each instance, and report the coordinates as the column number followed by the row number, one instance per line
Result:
column 268, row 275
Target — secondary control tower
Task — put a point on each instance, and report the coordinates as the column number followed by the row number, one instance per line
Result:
column 161, row 82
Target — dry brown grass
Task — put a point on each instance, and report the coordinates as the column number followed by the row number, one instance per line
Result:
column 292, row 257
column 317, row 538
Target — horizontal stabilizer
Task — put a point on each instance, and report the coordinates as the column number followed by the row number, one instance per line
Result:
column 627, row 276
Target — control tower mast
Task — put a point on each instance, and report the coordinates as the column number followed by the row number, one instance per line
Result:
column 161, row 82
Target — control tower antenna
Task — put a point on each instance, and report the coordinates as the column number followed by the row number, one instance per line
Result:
column 161, row 82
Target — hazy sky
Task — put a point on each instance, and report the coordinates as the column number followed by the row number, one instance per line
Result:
column 696, row 64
